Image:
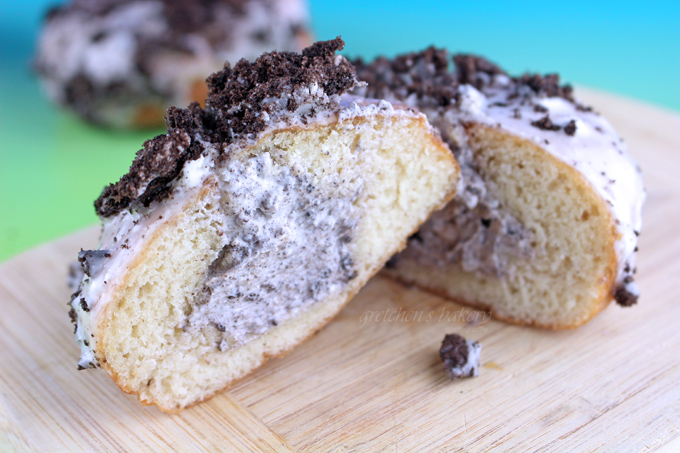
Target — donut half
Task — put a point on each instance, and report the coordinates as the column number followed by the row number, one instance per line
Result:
column 250, row 224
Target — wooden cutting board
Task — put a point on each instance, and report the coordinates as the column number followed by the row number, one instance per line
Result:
column 372, row 379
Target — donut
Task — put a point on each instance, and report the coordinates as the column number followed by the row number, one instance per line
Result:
column 121, row 63
column 544, row 229
column 247, row 226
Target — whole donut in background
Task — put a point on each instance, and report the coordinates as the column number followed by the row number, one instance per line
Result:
column 121, row 63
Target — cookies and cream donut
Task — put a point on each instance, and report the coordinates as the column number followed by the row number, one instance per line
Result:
column 250, row 224
column 544, row 230
column 121, row 63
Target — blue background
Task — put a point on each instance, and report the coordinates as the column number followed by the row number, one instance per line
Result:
column 629, row 47
column 52, row 166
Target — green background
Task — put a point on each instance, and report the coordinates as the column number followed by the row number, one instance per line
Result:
column 52, row 166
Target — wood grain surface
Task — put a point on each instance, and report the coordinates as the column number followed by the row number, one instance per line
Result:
column 372, row 379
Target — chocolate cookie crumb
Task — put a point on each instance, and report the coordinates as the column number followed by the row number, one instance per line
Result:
column 73, row 315
column 468, row 68
column 460, row 356
column 423, row 79
column 570, row 129
column 627, row 293
column 424, row 76
column 238, row 105
column 546, row 124
column 548, row 85
column 624, row 298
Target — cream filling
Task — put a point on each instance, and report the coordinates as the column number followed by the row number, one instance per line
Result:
column 475, row 235
column 286, row 248
column 472, row 232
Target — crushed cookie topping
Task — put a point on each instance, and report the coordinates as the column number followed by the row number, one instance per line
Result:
column 242, row 102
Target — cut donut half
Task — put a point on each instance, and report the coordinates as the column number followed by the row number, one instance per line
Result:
column 544, row 230
column 245, row 229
